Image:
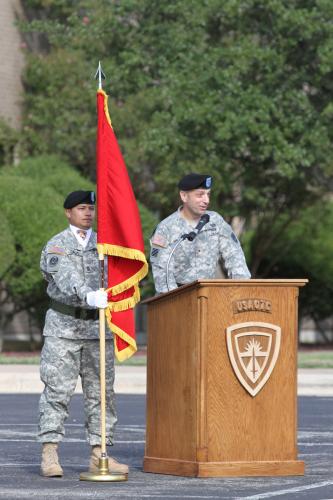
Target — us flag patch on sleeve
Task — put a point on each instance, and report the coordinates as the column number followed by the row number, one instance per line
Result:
column 57, row 250
column 159, row 241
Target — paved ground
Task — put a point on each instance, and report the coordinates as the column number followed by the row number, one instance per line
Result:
column 19, row 458
column 19, row 453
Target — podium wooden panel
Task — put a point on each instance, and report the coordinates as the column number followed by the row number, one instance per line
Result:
column 201, row 421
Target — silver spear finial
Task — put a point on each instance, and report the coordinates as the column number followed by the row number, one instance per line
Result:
column 99, row 75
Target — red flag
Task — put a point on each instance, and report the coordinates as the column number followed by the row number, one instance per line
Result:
column 119, row 233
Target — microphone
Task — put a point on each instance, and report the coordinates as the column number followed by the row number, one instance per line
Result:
column 204, row 219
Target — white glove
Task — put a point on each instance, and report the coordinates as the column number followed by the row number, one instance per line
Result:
column 97, row 299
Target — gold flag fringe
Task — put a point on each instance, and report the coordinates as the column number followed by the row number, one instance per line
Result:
column 106, row 108
column 132, row 347
column 128, row 303
column 126, row 253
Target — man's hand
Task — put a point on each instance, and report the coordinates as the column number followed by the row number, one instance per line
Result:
column 97, row 299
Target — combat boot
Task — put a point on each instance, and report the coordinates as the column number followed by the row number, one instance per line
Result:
column 114, row 466
column 50, row 466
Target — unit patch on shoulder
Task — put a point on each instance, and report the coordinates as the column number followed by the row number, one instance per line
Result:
column 53, row 261
column 159, row 241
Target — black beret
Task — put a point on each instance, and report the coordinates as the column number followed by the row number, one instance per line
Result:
column 77, row 197
column 195, row 181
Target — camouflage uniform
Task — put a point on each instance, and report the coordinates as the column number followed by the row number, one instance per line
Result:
column 197, row 259
column 71, row 346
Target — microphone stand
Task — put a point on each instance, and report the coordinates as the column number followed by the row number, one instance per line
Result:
column 190, row 236
column 182, row 238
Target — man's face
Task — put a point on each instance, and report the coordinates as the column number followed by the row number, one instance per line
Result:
column 81, row 216
column 196, row 201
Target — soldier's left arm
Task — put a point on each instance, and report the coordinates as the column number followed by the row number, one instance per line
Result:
column 232, row 253
column 66, row 271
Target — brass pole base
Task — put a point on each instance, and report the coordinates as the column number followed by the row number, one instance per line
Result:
column 97, row 476
column 103, row 473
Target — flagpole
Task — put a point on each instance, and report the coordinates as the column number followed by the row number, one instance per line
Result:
column 103, row 473
column 104, row 456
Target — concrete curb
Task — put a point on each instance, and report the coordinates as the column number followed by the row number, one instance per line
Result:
column 315, row 382
column 24, row 379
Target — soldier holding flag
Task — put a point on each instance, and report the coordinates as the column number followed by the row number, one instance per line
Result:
column 69, row 263
column 73, row 263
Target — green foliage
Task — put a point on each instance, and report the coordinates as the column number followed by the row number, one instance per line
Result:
column 9, row 139
column 32, row 195
column 306, row 251
column 33, row 214
column 7, row 254
column 59, row 109
column 51, row 172
column 240, row 89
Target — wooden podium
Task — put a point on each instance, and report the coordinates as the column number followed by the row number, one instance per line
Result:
column 222, row 379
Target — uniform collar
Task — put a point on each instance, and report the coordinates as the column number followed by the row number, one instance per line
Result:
column 184, row 221
column 81, row 243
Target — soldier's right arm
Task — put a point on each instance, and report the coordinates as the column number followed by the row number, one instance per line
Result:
column 160, row 250
column 64, row 270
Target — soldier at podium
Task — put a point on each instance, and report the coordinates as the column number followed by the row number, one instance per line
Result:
column 189, row 244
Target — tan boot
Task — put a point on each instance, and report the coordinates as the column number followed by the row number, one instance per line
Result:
column 114, row 466
column 50, row 466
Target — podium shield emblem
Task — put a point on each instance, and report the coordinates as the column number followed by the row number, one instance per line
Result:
column 253, row 349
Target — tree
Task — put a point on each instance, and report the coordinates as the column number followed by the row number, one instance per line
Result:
column 305, row 251
column 242, row 90
column 9, row 139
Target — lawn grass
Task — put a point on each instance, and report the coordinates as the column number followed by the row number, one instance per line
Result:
column 315, row 359
column 19, row 359
column 138, row 359
column 306, row 359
